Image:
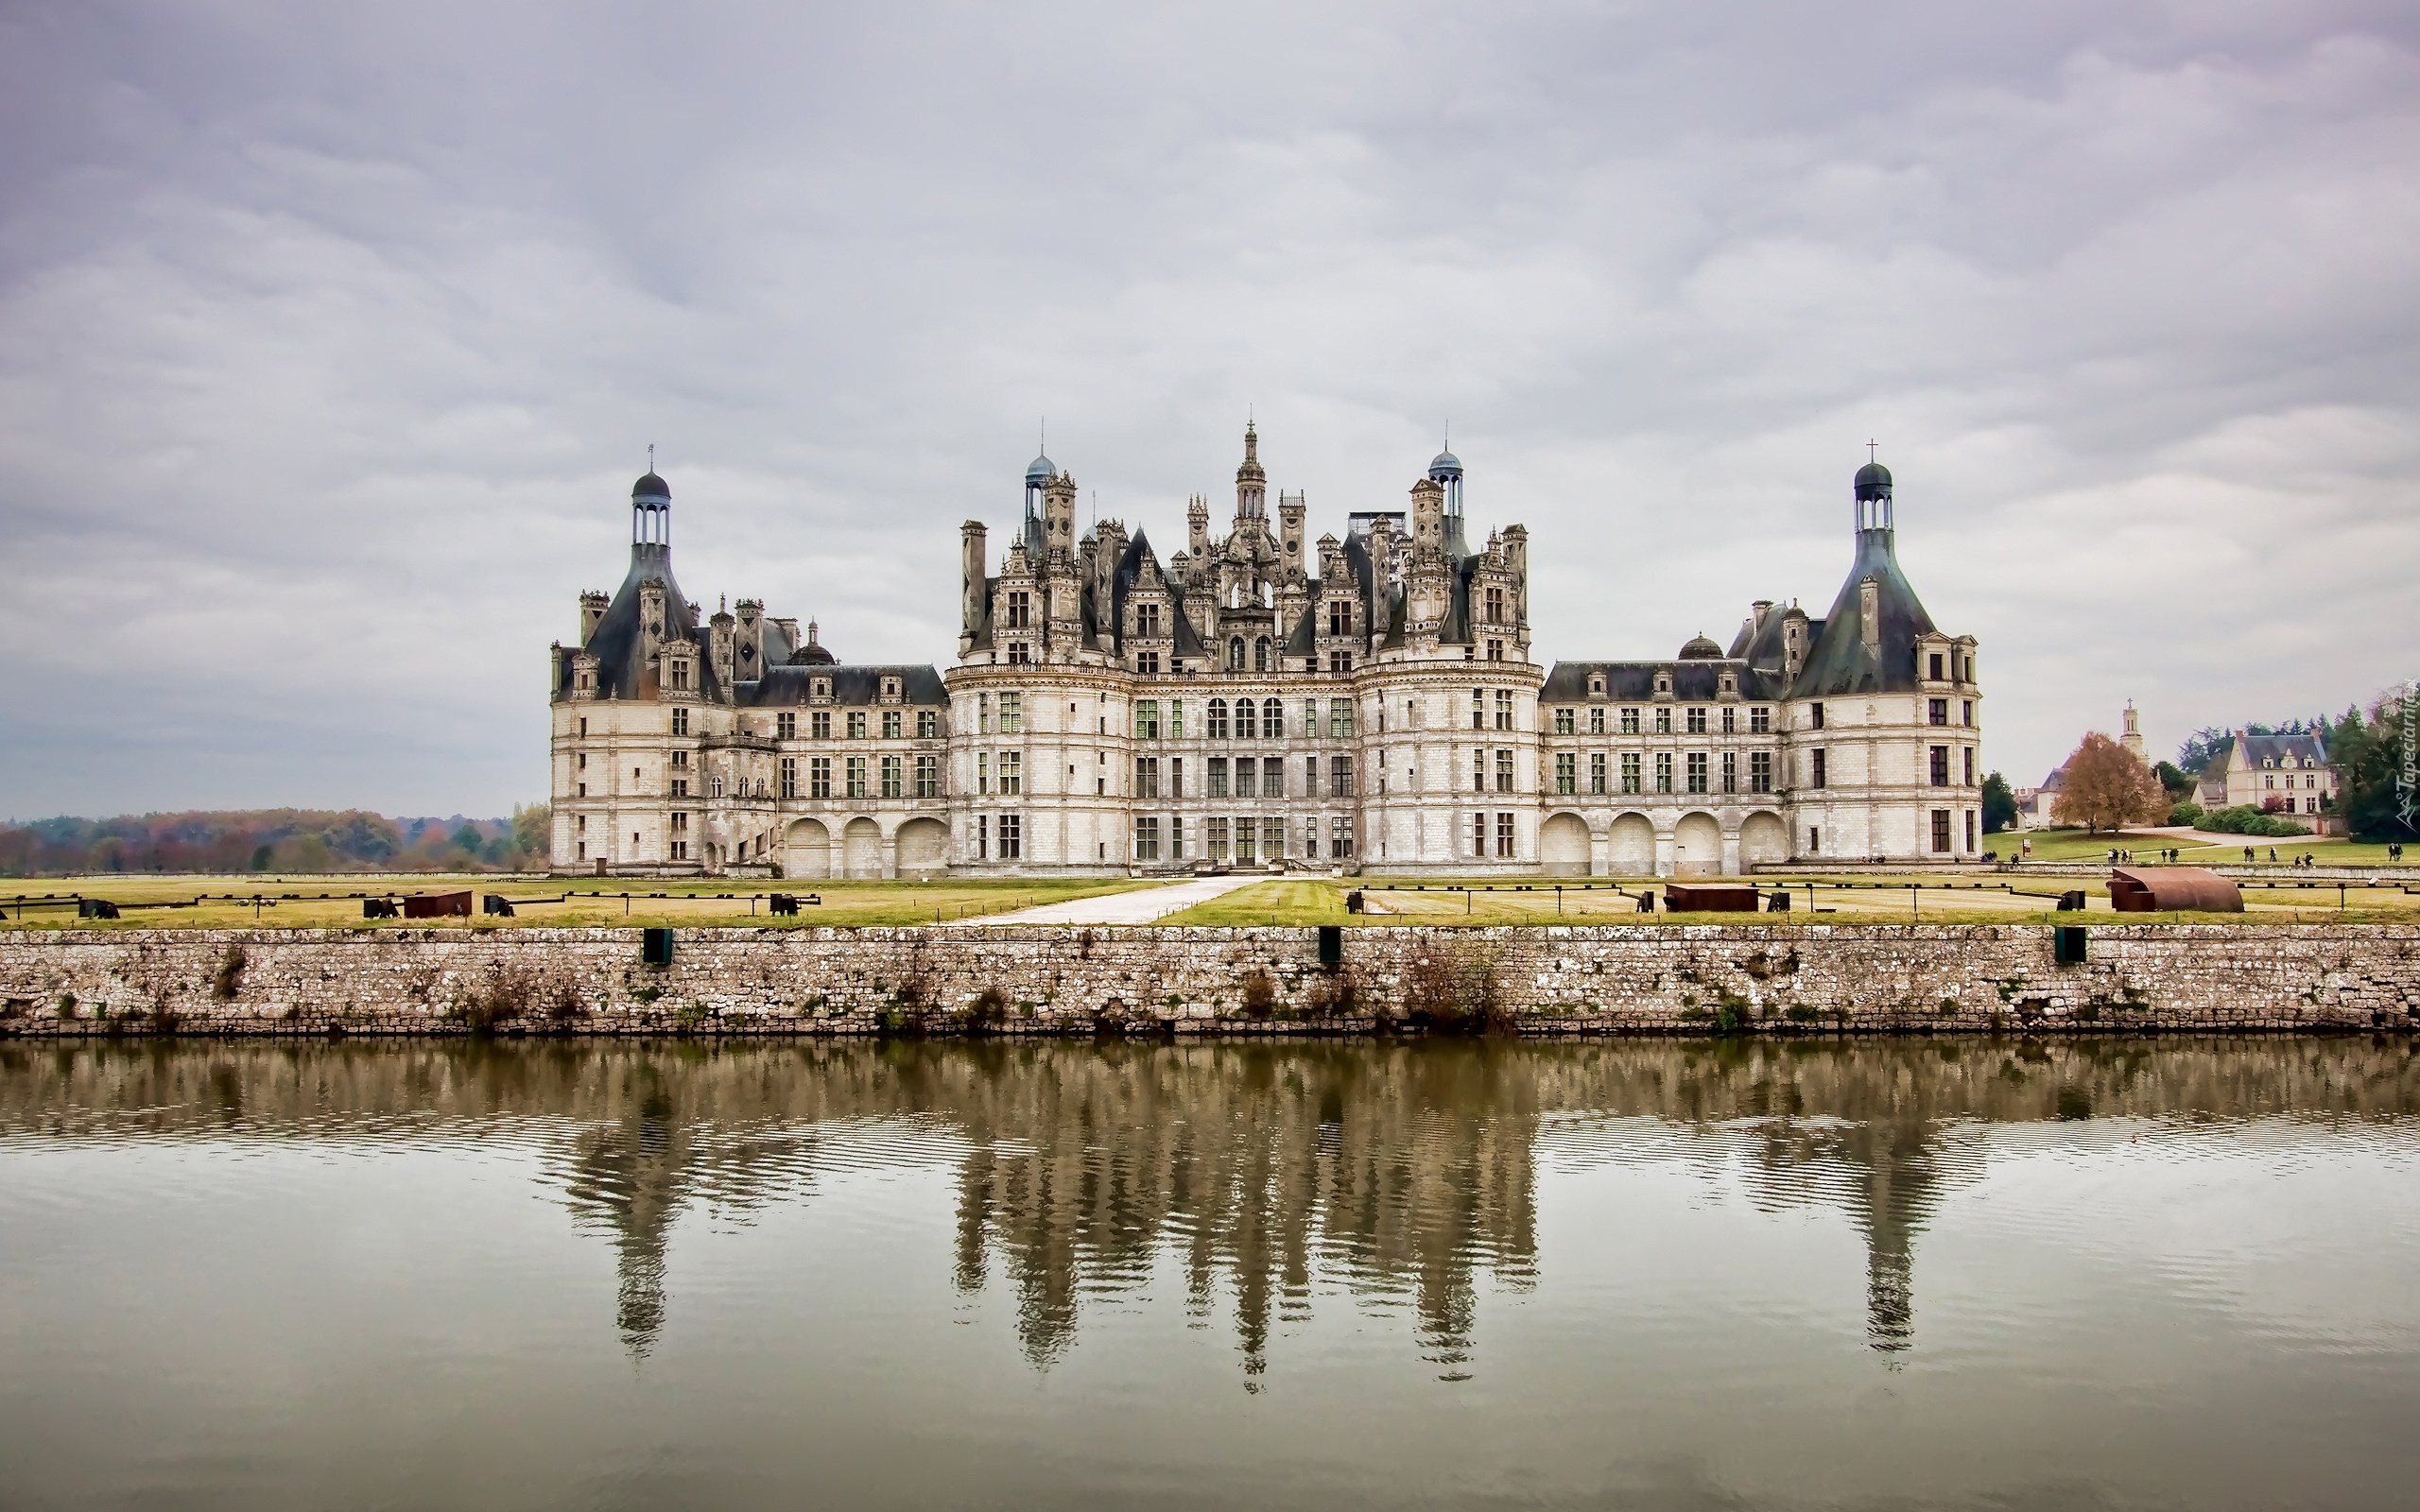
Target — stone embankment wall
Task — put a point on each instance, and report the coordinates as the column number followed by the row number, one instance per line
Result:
column 1668, row 979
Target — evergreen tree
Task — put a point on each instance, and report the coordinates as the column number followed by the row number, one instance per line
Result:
column 2000, row 804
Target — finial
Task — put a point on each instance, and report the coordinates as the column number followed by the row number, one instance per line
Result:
column 1869, row 451
column 651, row 456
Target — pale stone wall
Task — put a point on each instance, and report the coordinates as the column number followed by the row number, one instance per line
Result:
column 1628, row 979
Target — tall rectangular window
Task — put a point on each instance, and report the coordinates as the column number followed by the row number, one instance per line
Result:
column 1339, row 719
column 1730, row 719
column 1597, row 772
column 857, row 724
column 890, row 729
column 1247, row 841
column 1503, row 707
column 1273, row 777
column 1970, row 829
column 1011, row 773
column 1760, row 721
column 786, row 725
column 1697, row 771
column 1940, row 766
column 1146, row 719
column 1663, row 721
column 1339, row 839
column 1815, row 768
column 1478, row 835
column 1731, row 771
column 1020, row 606
column 893, row 776
column 1247, row 776
column 1966, row 712
column 1176, row 719
column 1504, row 772
column 857, row 776
column 1340, row 773
column 1696, row 721
column 1967, row 765
column 1218, row 787
column 1147, row 839
column 1146, row 777
column 1663, row 771
column 1567, row 771
column 1504, row 836
column 1760, row 771
column 1012, row 713
column 1310, row 777
column 1941, row 831
column 1630, row 771
column 929, row 776
column 929, row 724
column 1176, row 838
column 1273, row 719
column 1479, row 770
column 790, row 776
column 1176, row 776
column 1564, row 721
column 1012, row 837
column 1596, row 720
column 1479, row 707
column 1272, row 839
column 1936, row 711
column 680, row 716
column 1630, row 721
column 1217, row 840
column 819, row 776
column 819, row 724
column 1933, row 666
column 1815, row 717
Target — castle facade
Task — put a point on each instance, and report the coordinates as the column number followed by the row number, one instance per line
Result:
column 1259, row 699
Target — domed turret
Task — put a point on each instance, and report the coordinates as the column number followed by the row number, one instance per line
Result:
column 1039, row 470
column 651, row 511
column 1445, row 467
column 1873, row 482
column 1701, row 649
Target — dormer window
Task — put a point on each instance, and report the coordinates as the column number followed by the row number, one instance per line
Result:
column 1731, row 682
column 1597, row 685
column 890, row 687
column 1020, row 610
column 823, row 687
column 1340, row 617
column 2270, row 761
column 1495, row 606
column 1147, row 620
column 1664, row 683
column 679, row 676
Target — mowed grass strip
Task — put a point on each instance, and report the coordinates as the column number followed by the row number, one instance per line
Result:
column 594, row 902
column 1926, row 899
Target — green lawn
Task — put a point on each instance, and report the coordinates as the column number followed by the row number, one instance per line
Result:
column 2076, row 845
column 1928, row 899
column 329, row 903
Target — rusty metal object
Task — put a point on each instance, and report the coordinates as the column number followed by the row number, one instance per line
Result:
column 1682, row 898
column 2176, row 889
column 437, row 905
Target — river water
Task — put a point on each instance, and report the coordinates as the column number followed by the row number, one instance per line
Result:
column 1331, row 1275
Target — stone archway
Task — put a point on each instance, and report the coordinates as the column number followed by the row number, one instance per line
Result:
column 1563, row 846
column 923, row 848
column 861, row 849
column 1763, row 838
column 1632, row 851
column 1697, row 846
column 806, row 851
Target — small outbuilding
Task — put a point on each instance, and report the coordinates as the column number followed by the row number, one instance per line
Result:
column 2172, row 889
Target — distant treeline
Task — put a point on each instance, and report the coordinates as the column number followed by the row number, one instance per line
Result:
column 301, row 840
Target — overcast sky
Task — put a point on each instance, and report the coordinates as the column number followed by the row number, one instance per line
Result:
column 332, row 337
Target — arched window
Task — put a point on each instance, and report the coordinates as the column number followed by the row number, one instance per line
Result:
column 1273, row 719
column 1260, row 654
column 1235, row 654
column 1218, row 719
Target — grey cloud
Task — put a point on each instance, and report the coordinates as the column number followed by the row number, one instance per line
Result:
column 330, row 338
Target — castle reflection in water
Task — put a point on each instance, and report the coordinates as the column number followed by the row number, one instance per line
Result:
column 1407, row 1171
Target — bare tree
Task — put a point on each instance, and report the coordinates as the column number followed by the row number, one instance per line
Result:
column 2107, row 788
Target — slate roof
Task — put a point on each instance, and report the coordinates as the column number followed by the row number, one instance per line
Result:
column 2257, row 752
column 1693, row 681
column 1840, row 663
column 918, row 685
column 614, row 643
